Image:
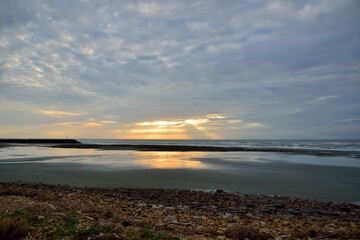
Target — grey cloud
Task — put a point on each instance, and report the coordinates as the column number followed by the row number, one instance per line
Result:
column 14, row 12
column 261, row 61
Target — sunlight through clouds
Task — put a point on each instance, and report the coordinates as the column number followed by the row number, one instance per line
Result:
column 55, row 113
column 208, row 127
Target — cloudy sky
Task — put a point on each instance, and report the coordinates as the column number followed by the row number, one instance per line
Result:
column 180, row 69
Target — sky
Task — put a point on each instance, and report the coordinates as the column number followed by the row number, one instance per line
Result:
column 180, row 69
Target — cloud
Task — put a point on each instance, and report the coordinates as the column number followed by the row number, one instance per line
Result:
column 210, row 126
column 14, row 12
column 278, row 63
column 56, row 113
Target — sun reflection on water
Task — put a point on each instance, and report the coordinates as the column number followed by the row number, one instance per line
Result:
column 170, row 160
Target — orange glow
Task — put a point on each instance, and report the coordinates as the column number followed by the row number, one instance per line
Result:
column 157, row 130
column 178, row 129
column 170, row 160
column 93, row 124
column 205, row 127
column 55, row 113
column 60, row 124
column 154, row 136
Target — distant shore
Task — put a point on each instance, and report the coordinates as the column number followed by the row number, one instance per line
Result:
column 58, row 211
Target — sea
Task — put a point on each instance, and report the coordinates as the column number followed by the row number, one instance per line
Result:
column 333, row 177
column 327, row 144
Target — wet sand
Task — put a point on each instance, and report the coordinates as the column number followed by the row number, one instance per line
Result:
column 325, row 183
column 324, row 178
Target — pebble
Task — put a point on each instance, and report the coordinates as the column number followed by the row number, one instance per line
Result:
column 159, row 212
column 170, row 218
column 170, row 208
column 250, row 215
column 126, row 223
column 226, row 215
column 214, row 211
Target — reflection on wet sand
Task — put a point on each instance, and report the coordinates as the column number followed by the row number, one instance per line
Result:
column 102, row 159
column 170, row 160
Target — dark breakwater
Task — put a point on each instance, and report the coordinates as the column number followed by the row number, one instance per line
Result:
column 40, row 141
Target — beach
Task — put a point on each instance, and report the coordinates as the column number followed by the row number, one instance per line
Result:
column 64, row 212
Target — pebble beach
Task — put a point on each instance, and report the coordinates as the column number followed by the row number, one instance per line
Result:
column 114, row 213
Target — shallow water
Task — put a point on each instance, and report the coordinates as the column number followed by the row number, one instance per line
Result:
column 315, row 177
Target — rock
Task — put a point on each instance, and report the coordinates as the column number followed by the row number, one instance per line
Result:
column 295, row 212
column 278, row 205
column 107, row 215
column 170, row 218
column 250, row 205
column 170, row 208
column 266, row 209
column 252, row 216
column 159, row 212
column 226, row 215
column 219, row 191
column 41, row 217
column 237, row 209
column 345, row 209
column 220, row 231
column 50, row 232
column 126, row 223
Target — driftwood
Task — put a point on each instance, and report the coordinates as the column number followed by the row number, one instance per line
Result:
column 175, row 222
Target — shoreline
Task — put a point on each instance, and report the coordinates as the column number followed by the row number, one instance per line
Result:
column 185, row 213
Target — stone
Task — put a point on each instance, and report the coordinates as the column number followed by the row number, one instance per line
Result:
column 226, row 215
column 170, row 218
column 170, row 208
column 159, row 212
column 250, row 205
column 126, row 223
